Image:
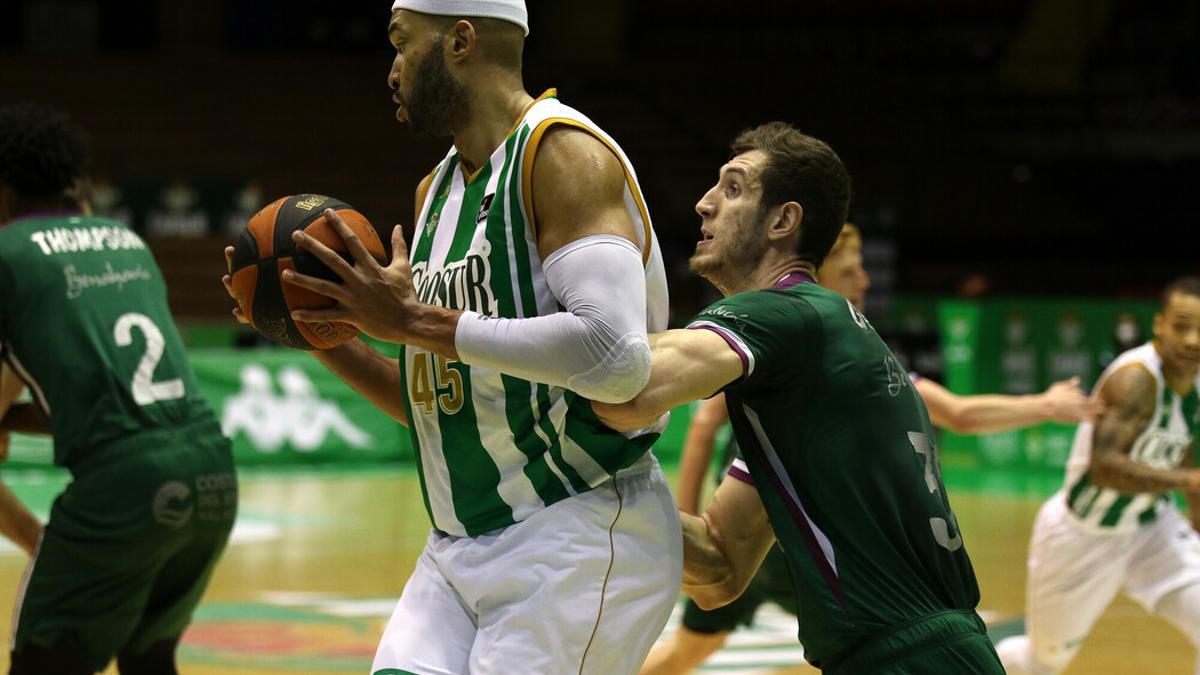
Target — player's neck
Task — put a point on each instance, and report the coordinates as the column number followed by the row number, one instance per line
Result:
column 495, row 108
column 25, row 208
column 1181, row 382
column 772, row 269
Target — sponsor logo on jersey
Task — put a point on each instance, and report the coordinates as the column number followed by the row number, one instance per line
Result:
column 463, row 284
column 172, row 506
column 298, row 417
column 78, row 282
column 1160, row 449
column 484, row 207
column 216, row 496
column 723, row 312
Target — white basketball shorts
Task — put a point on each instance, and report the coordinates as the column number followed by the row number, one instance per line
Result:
column 583, row 586
column 1076, row 570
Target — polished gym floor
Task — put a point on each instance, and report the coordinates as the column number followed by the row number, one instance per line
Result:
column 318, row 559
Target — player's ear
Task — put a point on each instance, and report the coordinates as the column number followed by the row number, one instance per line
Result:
column 787, row 223
column 463, row 39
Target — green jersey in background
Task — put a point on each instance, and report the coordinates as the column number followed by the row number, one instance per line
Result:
column 84, row 322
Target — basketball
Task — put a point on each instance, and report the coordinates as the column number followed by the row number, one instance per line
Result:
column 265, row 249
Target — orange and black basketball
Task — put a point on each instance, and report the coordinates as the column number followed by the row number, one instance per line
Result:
column 265, row 249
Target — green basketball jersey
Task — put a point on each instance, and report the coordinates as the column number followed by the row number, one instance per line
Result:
column 840, row 448
column 84, row 322
column 494, row 449
column 1162, row 444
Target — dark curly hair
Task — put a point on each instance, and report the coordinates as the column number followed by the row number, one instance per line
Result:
column 42, row 153
column 805, row 170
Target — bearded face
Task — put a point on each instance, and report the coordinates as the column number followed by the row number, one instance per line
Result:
column 438, row 104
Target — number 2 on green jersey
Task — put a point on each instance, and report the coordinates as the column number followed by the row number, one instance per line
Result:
column 145, row 389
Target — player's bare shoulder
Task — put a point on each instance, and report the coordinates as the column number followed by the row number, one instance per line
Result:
column 1130, row 394
column 578, row 188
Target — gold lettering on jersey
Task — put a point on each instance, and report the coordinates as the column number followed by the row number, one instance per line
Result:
column 311, row 202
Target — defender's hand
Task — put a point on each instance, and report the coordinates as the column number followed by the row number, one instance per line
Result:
column 380, row 301
column 1065, row 402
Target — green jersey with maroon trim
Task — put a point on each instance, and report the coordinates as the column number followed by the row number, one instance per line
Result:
column 841, row 450
column 84, row 322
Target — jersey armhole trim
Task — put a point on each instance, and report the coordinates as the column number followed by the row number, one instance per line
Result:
column 734, row 341
column 530, row 156
column 739, row 471
column 422, row 195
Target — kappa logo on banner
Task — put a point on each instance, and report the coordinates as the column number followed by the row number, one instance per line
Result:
column 298, row 417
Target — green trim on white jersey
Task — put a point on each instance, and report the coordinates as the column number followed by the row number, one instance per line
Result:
column 1162, row 445
column 494, row 449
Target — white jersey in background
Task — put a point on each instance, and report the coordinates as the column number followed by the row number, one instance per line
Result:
column 1161, row 445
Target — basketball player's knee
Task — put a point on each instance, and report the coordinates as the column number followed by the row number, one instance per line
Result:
column 1019, row 658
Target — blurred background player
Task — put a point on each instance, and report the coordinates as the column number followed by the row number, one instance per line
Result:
column 84, row 323
column 701, row 633
column 17, row 523
column 533, row 277
column 840, row 461
column 1113, row 527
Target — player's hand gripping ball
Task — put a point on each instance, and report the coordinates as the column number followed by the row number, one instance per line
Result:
column 265, row 249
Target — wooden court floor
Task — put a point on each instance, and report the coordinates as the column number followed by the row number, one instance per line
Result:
column 318, row 559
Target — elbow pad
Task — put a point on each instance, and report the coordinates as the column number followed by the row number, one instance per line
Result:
column 620, row 375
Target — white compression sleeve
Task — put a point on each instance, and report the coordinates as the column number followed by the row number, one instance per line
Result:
column 597, row 347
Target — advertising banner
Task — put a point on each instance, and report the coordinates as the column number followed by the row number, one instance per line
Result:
column 1022, row 347
column 280, row 406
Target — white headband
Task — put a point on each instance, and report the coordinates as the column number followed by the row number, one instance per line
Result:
column 512, row 11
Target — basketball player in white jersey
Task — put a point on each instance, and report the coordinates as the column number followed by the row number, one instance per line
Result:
column 533, row 278
column 1114, row 526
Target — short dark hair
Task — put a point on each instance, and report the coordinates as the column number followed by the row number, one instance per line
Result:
column 1185, row 285
column 42, row 153
column 805, row 170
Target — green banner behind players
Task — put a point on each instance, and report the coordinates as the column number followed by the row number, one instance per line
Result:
column 282, row 407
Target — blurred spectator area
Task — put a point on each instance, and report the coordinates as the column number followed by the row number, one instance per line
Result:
column 1049, row 146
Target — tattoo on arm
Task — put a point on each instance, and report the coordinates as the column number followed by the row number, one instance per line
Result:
column 1129, row 396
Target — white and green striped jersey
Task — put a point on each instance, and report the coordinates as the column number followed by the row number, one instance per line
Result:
column 495, row 449
column 1162, row 445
